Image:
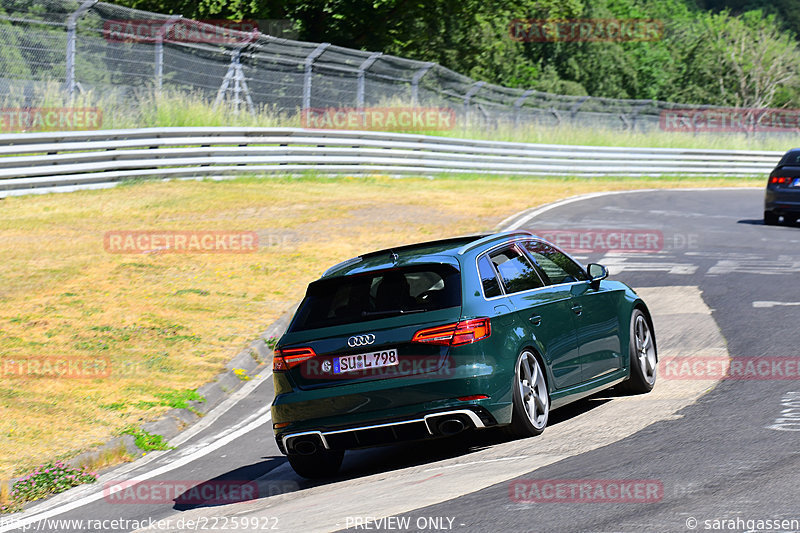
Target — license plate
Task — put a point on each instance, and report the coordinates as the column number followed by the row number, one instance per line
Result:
column 364, row 361
column 796, row 182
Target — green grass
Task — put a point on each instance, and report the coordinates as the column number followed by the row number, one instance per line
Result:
column 176, row 109
column 145, row 441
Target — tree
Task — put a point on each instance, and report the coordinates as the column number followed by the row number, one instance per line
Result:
column 740, row 61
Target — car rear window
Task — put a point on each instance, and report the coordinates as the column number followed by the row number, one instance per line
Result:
column 790, row 159
column 378, row 294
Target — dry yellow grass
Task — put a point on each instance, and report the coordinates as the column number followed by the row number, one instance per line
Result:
column 168, row 322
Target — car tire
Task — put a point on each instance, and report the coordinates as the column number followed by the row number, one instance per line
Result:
column 770, row 218
column 318, row 465
column 643, row 355
column 531, row 399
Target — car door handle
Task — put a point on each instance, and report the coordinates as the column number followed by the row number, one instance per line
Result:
column 535, row 320
column 577, row 309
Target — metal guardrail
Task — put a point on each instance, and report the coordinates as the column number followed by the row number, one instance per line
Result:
column 62, row 161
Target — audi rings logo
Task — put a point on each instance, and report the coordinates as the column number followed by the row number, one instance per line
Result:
column 361, row 340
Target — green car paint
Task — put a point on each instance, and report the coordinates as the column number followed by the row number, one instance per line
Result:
column 578, row 328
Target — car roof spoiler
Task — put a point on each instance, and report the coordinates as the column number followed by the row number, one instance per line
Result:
column 491, row 238
column 470, row 242
column 453, row 240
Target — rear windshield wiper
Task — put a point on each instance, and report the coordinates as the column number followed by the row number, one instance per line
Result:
column 392, row 312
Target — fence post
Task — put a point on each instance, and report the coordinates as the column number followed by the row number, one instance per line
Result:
column 308, row 65
column 72, row 23
column 162, row 31
column 518, row 104
column 415, row 83
column 472, row 90
column 362, row 69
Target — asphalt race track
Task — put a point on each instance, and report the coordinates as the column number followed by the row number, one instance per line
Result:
column 698, row 453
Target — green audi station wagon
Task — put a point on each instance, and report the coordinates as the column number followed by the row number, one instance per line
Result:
column 432, row 339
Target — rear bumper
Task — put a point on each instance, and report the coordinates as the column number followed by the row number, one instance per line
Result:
column 431, row 425
column 393, row 410
column 782, row 201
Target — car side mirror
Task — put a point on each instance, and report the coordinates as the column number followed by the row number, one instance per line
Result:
column 597, row 272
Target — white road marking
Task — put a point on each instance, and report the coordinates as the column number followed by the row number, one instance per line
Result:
column 784, row 265
column 458, row 465
column 255, row 421
column 767, row 303
column 617, row 264
column 509, row 224
column 662, row 212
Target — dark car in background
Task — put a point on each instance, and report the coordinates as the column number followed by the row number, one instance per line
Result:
column 433, row 339
column 782, row 197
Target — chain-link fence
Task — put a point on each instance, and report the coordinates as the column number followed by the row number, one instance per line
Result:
column 115, row 50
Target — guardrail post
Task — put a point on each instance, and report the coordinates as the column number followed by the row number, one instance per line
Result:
column 362, row 69
column 308, row 66
column 415, row 83
column 162, row 31
column 72, row 24
column 518, row 104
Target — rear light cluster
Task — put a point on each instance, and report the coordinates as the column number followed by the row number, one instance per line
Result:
column 456, row 334
column 290, row 357
column 780, row 180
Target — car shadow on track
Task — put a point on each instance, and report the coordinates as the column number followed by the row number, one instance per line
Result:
column 273, row 476
column 760, row 222
column 235, row 486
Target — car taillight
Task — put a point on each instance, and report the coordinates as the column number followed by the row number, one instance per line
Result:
column 290, row 357
column 457, row 334
column 779, row 180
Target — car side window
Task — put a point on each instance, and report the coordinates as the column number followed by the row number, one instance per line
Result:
column 516, row 272
column 557, row 267
column 491, row 286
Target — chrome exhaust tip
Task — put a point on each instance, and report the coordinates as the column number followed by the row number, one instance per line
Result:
column 451, row 426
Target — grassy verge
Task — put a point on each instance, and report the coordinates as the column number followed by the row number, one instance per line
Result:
column 146, row 109
column 167, row 323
